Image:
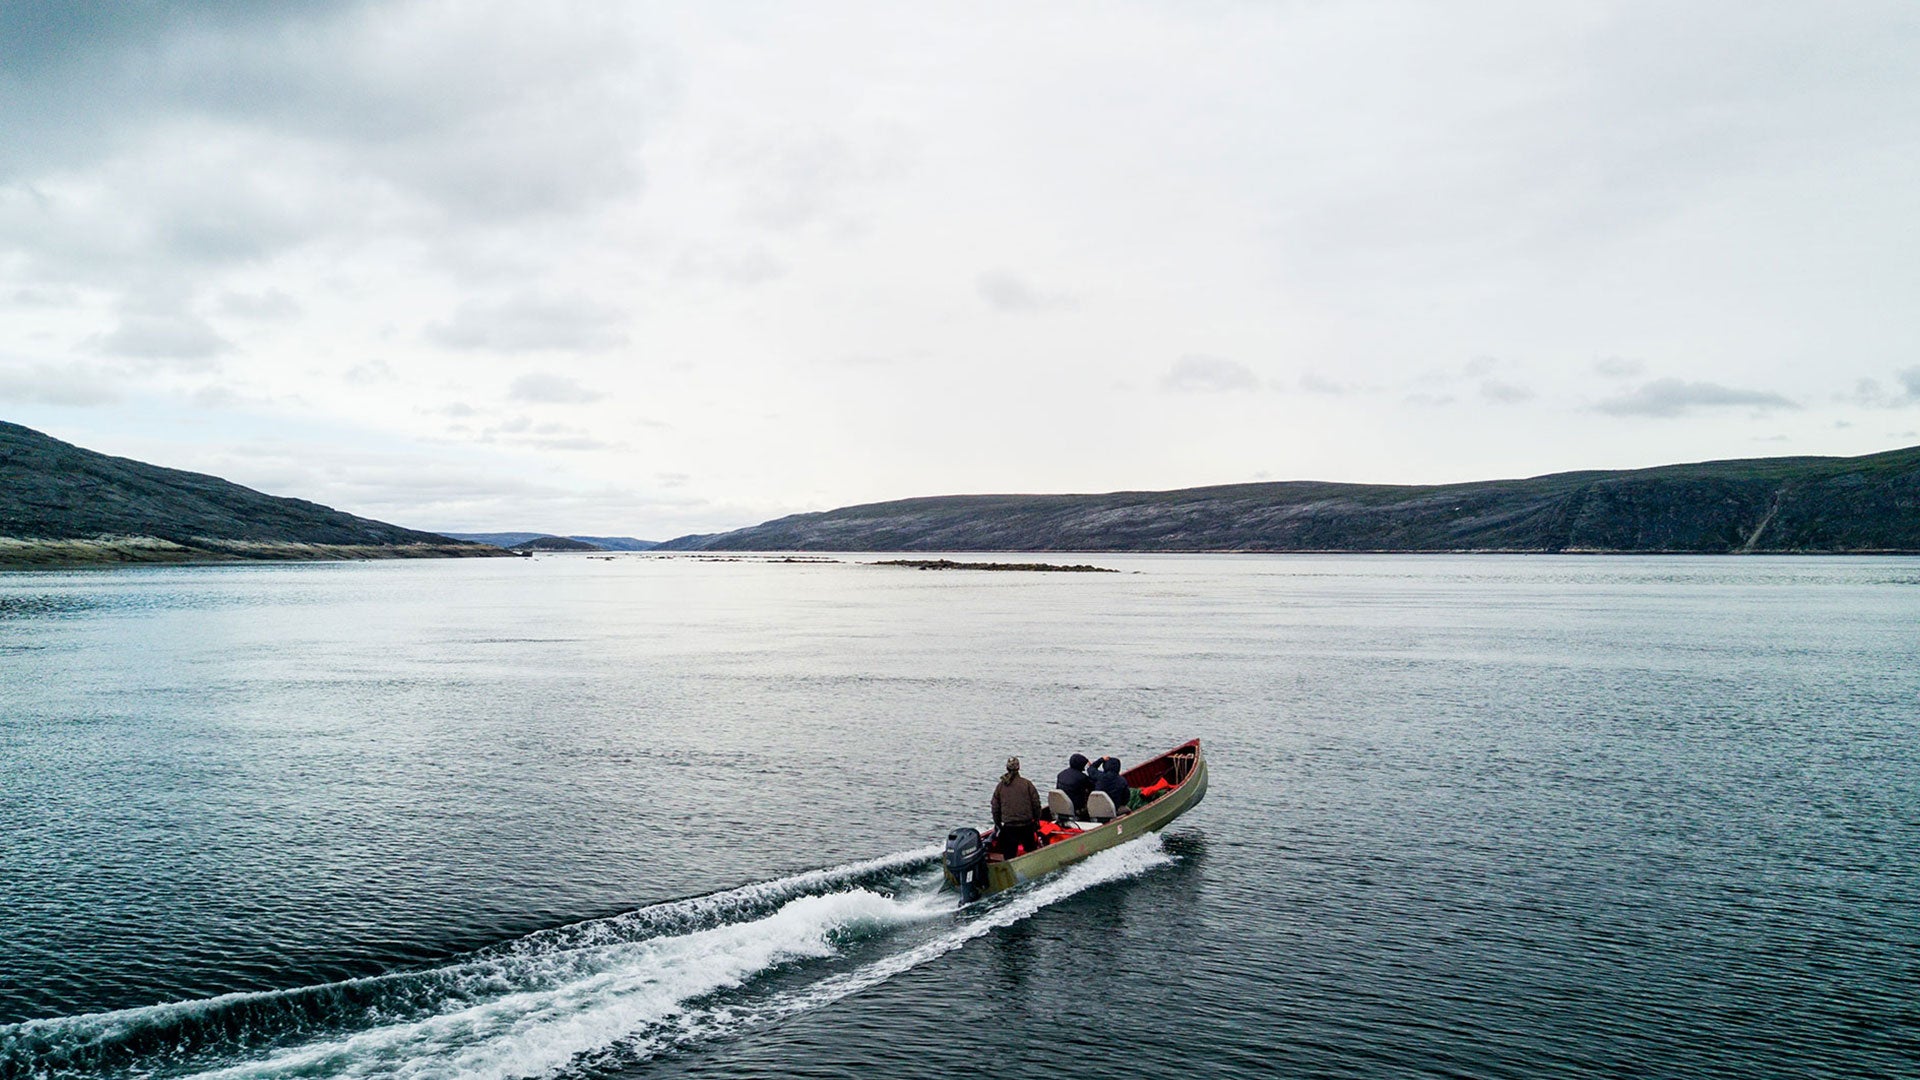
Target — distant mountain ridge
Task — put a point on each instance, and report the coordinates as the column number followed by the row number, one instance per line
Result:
column 61, row 505
column 555, row 543
column 514, row 539
column 1750, row 506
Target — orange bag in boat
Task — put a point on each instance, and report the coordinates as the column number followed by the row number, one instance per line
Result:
column 1156, row 789
column 1052, row 833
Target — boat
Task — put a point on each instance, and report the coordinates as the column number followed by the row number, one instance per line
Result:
column 975, row 872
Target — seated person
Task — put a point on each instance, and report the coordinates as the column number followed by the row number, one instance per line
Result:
column 1109, row 780
column 1076, row 783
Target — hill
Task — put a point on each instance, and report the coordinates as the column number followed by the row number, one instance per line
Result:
column 62, row 505
column 1766, row 505
column 497, row 539
column 555, row 543
column 617, row 543
column 512, row 539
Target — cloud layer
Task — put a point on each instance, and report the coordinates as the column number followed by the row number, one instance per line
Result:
column 786, row 257
column 1666, row 398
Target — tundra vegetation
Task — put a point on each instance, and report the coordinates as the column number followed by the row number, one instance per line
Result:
column 61, row 505
column 1804, row 505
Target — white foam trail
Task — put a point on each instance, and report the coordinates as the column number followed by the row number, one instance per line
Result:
column 1127, row 860
column 623, row 992
column 630, row 985
column 484, row 969
column 701, row 911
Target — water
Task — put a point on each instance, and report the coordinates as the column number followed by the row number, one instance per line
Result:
column 670, row 817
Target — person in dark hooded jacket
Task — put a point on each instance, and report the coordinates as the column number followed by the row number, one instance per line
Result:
column 1075, row 782
column 1109, row 780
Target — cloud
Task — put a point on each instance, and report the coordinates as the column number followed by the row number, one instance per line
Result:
column 370, row 373
column 731, row 266
column 547, row 389
column 1618, row 367
column 182, row 203
column 195, row 142
column 176, row 336
column 1866, row 392
column 1871, row 393
column 1312, row 383
column 216, row 397
column 57, row 384
column 1505, row 393
column 530, row 324
column 1009, row 293
column 1437, row 381
column 521, row 431
column 790, row 180
column 272, row 304
column 44, row 298
column 571, row 443
column 487, row 114
column 1509, row 199
column 1672, row 397
column 1209, row 374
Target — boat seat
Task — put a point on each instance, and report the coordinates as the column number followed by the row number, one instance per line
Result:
column 1061, row 804
column 1100, row 807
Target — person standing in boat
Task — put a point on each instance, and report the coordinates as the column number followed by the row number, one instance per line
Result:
column 1016, row 812
column 1075, row 782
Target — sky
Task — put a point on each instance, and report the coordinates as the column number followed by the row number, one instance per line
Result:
column 656, row 269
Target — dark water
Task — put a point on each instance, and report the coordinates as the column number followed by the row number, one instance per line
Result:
column 1487, row 817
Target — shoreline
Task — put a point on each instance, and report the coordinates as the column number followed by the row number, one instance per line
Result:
column 107, row 552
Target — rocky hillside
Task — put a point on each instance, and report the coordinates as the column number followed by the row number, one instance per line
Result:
column 60, row 504
column 1824, row 505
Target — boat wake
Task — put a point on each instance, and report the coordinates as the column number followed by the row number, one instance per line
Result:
column 620, row 989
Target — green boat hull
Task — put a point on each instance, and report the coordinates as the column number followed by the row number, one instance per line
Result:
column 1149, row 818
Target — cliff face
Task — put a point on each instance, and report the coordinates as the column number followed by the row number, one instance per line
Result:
column 1827, row 505
column 62, row 504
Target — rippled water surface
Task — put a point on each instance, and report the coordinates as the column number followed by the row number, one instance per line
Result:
column 667, row 816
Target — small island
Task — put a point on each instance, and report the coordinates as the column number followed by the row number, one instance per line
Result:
column 949, row 564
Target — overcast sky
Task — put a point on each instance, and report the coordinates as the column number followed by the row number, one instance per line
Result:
column 657, row 269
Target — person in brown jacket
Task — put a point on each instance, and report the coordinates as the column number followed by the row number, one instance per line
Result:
column 1016, row 812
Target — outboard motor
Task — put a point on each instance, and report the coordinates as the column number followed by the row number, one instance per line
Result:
column 966, row 861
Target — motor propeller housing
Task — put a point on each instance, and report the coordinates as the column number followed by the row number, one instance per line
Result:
column 966, row 862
